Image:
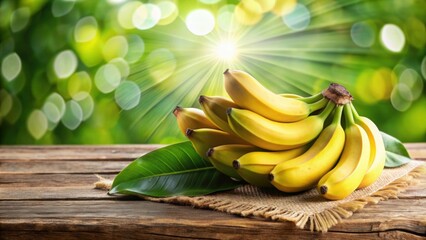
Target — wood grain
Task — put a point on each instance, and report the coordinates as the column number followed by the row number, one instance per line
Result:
column 46, row 192
column 63, row 166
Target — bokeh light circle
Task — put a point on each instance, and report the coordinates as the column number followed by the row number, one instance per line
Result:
column 392, row 37
column 20, row 19
column 248, row 12
column 37, row 124
column 136, row 48
column 73, row 115
column 146, row 16
column 169, row 12
column 116, row 1
column 209, row 1
column 121, row 65
column 65, row 64
column 127, row 95
column 107, row 78
column 115, row 47
column 51, row 112
column 410, row 78
column 363, row 34
column 87, row 106
column 266, row 5
column 79, row 82
column 125, row 14
column 61, row 7
column 200, row 22
column 283, row 7
column 415, row 30
column 401, row 97
column 15, row 112
column 162, row 64
column 6, row 103
column 299, row 18
column 383, row 80
column 423, row 67
column 11, row 66
column 85, row 29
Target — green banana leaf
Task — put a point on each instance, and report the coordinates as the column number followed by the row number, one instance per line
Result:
column 171, row 171
column 396, row 153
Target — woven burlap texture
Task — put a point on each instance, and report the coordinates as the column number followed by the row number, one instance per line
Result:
column 307, row 209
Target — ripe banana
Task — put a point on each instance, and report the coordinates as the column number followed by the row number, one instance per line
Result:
column 377, row 149
column 346, row 176
column 311, row 99
column 272, row 135
column 222, row 156
column 249, row 94
column 205, row 138
column 215, row 109
column 191, row 118
column 254, row 167
column 303, row 172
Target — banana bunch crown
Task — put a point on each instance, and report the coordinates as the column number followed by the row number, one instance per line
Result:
column 286, row 141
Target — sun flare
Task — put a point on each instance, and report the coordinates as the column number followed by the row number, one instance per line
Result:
column 226, row 51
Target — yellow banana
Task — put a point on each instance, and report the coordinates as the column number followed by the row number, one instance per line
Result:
column 205, row 138
column 215, row 109
column 311, row 99
column 303, row 172
column 249, row 94
column 271, row 135
column 192, row 118
column 346, row 176
column 254, row 167
column 377, row 149
column 222, row 156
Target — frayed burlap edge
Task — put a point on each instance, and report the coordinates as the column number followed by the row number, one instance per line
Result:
column 321, row 221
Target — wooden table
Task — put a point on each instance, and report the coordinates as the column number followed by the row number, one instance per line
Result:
column 47, row 192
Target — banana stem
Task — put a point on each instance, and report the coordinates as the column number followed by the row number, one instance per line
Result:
column 337, row 115
column 318, row 105
column 355, row 112
column 349, row 118
column 327, row 110
column 312, row 99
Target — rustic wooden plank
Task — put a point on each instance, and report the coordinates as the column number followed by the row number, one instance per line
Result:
column 62, row 204
column 65, row 166
column 172, row 220
column 415, row 145
column 417, row 150
column 54, row 193
column 50, row 180
column 116, row 152
column 75, row 152
column 178, row 232
column 80, row 186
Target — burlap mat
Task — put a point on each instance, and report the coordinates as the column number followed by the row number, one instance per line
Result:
column 307, row 209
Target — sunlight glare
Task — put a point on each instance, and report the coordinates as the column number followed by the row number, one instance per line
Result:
column 226, row 51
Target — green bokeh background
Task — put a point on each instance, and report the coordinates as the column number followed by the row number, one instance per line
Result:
column 102, row 72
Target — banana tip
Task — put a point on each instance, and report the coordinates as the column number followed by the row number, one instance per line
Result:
column 176, row 110
column 271, row 177
column 236, row 164
column 210, row 152
column 226, row 71
column 189, row 132
column 323, row 189
column 228, row 111
column 201, row 99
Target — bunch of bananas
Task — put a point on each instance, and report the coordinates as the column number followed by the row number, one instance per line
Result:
column 286, row 141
